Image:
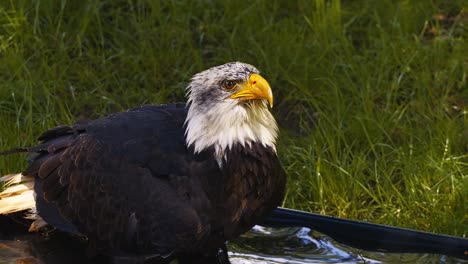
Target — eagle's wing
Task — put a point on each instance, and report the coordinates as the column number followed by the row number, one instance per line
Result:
column 97, row 179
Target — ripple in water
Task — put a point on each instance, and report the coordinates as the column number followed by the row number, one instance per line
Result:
column 302, row 245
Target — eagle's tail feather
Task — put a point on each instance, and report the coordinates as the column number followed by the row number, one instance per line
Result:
column 18, row 194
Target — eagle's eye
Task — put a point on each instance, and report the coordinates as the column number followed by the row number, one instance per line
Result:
column 229, row 84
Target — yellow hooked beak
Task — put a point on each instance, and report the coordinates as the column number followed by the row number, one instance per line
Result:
column 255, row 88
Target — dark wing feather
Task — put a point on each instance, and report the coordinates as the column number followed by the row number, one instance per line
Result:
column 104, row 177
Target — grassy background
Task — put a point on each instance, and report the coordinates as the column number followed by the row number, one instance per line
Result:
column 371, row 95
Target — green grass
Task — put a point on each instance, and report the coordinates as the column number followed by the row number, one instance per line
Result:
column 371, row 95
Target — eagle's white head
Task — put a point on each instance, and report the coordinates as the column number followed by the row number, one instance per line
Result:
column 228, row 104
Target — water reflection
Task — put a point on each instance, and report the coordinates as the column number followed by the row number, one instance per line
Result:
column 302, row 245
column 261, row 245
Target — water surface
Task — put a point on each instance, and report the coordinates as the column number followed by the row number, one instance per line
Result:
column 302, row 245
column 260, row 245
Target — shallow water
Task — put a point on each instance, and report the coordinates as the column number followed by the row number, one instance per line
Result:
column 286, row 245
column 261, row 245
column 302, row 245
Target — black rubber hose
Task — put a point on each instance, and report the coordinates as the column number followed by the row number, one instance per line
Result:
column 371, row 237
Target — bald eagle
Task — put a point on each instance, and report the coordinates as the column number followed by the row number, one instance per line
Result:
column 166, row 181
